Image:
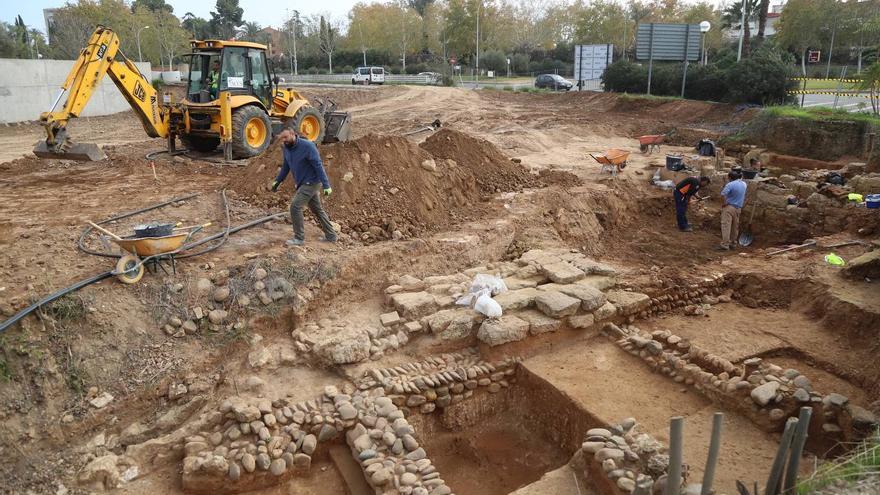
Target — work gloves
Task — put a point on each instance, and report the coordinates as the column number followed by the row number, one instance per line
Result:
column 275, row 185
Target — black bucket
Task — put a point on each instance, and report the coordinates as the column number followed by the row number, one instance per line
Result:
column 154, row 229
column 749, row 173
column 674, row 163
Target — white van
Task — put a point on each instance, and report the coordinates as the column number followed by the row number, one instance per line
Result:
column 368, row 75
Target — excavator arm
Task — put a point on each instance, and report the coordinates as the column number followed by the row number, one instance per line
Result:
column 98, row 58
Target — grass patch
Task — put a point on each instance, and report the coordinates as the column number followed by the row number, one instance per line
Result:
column 637, row 97
column 67, row 309
column 860, row 465
column 820, row 113
column 826, row 84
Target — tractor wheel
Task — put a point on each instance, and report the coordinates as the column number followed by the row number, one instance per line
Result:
column 308, row 123
column 251, row 131
column 203, row 144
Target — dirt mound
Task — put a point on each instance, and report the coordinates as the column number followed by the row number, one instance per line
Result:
column 493, row 171
column 381, row 184
column 559, row 178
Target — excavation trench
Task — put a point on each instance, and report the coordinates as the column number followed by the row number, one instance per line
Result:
column 496, row 443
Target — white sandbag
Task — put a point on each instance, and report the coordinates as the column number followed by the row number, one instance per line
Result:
column 488, row 306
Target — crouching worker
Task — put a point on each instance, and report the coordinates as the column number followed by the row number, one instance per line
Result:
column 684, row 191
column 302, row 158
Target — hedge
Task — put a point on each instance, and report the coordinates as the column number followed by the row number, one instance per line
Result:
column 762, row 79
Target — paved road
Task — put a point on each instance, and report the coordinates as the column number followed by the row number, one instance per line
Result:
column 849, row 103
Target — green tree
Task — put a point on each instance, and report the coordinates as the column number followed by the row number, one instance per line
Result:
column 799, row 27
column 226, row 18
column 197, row 27
column 152, row 6
column 494, row 60
column 421, row 8
column 599, row 22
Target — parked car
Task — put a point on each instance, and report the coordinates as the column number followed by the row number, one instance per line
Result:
column 553, row 81
column 368, row 75
column 433, row 77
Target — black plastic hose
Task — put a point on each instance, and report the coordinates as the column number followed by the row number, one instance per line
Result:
column 46, row 300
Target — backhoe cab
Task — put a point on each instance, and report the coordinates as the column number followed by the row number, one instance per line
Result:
column 230, row 102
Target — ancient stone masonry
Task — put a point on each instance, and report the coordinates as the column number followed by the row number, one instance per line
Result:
column 763, row 392
column 257, row 443
column 546, row 290
column 622, row 457
column 221, row 294
column 438, row 382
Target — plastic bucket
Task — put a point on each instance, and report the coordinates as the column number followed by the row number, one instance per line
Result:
column 872, row 201
column 749, row 174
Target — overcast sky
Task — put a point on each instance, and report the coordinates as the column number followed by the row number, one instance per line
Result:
column 267, row 13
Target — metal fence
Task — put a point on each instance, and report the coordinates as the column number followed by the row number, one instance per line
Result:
column 346, row 78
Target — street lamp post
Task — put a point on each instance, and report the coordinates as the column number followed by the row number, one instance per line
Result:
column 139, row 42
column 705, row 26
column 742, row 32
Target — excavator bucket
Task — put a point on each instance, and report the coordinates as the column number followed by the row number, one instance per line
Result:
column 84, row 152
column 337, row 127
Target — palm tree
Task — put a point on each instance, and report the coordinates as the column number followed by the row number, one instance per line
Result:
column 250, row 31
column 763, row 8
column 731, row 16
column 871, row 82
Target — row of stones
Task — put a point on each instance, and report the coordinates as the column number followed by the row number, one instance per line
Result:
column 385, row 445
column 763, row 391
column 691, row 297
column 626, row 456
column 427, row 395
column 269, row 437
column 433, row 369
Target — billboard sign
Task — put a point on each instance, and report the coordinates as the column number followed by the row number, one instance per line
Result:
column 675, row 42
column 590, row 61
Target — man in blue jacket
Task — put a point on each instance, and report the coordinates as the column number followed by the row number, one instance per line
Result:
column 302, row 158
column 734, row 194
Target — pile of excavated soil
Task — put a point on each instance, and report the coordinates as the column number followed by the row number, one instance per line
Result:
column 381, row 185
column 561, row 178
column 493, row 171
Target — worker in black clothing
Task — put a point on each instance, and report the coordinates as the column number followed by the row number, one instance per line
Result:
column 683, row 193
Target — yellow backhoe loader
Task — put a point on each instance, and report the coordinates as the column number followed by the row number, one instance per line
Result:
column 231, row 102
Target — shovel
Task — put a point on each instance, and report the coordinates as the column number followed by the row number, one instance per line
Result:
column 746, row 237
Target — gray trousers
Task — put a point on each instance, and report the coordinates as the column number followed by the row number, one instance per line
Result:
column 311, row 194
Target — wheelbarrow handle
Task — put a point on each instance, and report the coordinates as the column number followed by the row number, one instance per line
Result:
column 102, row 229
column 202, row 226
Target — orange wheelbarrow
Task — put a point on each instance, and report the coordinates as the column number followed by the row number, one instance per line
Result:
column 647, row 144
column 143, row 250
column 613, row 160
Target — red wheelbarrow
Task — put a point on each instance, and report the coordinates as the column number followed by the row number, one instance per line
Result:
column 647, row 144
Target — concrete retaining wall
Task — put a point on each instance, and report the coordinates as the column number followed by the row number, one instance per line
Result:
column 29, row 87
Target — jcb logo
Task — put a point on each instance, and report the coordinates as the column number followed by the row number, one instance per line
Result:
column 139, row 92
column 101, row 50
column 153, row 105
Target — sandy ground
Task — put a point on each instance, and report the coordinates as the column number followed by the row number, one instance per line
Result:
column 44, row 205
